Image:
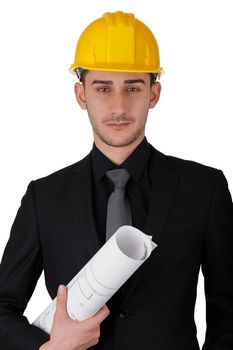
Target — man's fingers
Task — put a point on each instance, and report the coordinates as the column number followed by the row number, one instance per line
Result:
column 61, row 308
column 101, row 314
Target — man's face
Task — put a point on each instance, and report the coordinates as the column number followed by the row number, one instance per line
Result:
column 117, row 105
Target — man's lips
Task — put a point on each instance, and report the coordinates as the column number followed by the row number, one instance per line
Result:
column 118, row 125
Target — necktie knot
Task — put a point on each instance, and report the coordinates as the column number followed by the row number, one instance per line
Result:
column 119, row 177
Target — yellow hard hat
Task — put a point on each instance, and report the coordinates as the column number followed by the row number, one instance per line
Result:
column 117, row 42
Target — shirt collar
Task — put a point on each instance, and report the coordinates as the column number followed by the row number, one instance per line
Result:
column 138, row 160
column 100, row 163
column 135, row 163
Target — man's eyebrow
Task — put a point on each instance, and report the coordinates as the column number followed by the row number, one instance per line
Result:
column 104, row 82
column 134, row 81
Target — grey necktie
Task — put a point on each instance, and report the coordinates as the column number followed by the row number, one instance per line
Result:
column 118, row 209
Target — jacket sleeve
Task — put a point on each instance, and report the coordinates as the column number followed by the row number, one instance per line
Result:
column 20, row 269
column 217, row 267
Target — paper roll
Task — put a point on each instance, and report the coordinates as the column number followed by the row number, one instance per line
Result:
column 103, row 275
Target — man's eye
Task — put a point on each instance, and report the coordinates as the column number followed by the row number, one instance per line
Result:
column 103, row 89
column 133, row 89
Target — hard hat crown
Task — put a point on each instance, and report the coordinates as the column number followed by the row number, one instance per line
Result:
column 117, row 42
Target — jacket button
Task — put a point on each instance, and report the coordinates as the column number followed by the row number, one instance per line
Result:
column 124, row 313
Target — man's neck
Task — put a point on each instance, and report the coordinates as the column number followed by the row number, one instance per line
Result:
column 118, row 155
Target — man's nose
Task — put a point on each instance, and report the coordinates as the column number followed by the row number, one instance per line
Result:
column 118, row 104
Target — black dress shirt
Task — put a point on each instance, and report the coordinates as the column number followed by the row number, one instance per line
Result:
column 138, row 188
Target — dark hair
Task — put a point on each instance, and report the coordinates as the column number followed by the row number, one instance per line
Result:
column 81, row 74
column 153, row 78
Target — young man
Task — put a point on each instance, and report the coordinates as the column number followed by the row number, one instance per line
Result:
column 61, row 223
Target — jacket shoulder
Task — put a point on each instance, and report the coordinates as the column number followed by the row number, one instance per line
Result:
column 64, row 172
column 56, row 182
column 187, row 169
column 192, row 166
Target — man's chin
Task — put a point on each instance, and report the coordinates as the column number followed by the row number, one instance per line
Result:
column 120, row 142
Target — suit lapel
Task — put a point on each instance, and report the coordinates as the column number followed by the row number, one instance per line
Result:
column 164, row 188
column 80, row 196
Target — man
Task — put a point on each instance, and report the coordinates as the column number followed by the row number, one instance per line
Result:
column 61, row 223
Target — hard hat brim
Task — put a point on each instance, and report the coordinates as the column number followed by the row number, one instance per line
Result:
column 159, row 71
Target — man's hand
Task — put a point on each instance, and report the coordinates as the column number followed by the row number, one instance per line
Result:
column 67, row 334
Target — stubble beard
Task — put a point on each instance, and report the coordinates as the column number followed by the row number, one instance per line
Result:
column 113, row 142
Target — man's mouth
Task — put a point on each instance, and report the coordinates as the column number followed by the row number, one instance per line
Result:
column 117, row 125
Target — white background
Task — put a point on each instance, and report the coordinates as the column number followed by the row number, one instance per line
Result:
column 41, row 127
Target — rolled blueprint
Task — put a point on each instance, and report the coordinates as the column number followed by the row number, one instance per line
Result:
column 103, row 275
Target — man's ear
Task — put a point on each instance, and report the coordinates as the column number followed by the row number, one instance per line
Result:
column 80, row 95
column 155, row 94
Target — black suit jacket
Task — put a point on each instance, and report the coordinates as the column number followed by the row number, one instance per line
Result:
column 191, row 220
